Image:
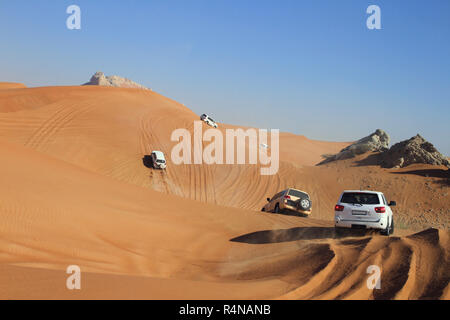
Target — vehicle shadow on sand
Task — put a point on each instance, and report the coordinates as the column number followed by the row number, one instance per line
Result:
column 299, row 233
column 147, row 161
column 291, row 213
column 433, row 173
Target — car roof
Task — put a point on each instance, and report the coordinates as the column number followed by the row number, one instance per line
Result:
column 296, row 190
column 363, row 191
column 159, row 154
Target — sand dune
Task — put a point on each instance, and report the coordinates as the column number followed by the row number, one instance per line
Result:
column 76, row 190
column 11, row 85
column 109, row 131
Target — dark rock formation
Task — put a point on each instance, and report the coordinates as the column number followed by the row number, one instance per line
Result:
column 414, row 150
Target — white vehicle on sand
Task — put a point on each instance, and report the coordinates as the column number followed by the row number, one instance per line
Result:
column 364, row 209
column 158, row 160
column 209, row 121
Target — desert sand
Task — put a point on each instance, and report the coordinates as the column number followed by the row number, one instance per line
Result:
column 75, row 189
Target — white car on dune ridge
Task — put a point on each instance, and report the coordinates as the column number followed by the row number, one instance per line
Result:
column 364, row 209
column 208, row 120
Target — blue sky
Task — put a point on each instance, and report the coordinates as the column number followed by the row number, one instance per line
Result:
column 307, row 67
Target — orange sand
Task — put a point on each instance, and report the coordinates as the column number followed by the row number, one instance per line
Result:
column 75, row 190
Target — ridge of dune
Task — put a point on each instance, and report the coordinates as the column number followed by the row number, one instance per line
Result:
column 11, row 85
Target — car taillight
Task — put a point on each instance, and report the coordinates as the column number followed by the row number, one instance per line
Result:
column 338, row 208
column 287, row 197
column 380, row 209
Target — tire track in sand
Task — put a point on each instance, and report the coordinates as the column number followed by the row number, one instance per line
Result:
column 56, row 122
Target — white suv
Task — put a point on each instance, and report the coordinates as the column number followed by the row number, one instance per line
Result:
column 209, row 121
column 158, row 160
column 364, row 209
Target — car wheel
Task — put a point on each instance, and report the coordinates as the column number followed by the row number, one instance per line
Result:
column 386, row 231
column 304, row 204
column 338, row 232
column 277, row 208
column 392, row 226
column 263, row 209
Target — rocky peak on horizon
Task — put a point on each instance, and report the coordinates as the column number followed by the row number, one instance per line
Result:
column 375, row 142
column 413, row 150
column 99, row 79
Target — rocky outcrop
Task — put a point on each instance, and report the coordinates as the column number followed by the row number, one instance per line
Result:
column 414, row 150
column 376, row 142
column 99, row 79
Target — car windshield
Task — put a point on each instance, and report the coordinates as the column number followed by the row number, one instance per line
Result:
column 160, row 161
column 298, row 194
column 360, row 198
